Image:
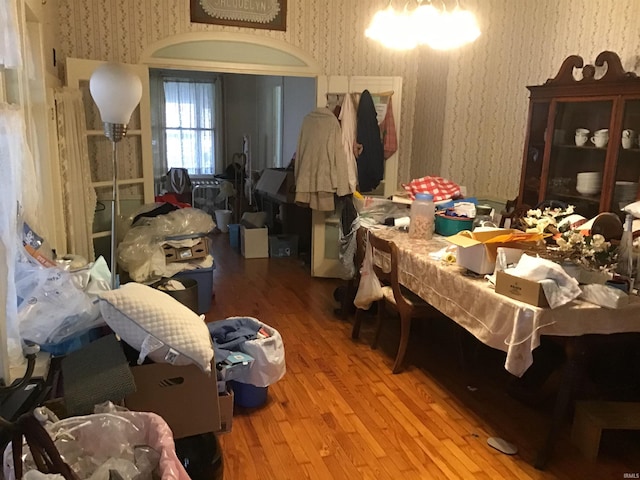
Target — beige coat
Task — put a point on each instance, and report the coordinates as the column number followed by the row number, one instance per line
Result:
column 321, row 166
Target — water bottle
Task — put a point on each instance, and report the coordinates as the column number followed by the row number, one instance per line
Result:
column 422, row 217
column 626, row 264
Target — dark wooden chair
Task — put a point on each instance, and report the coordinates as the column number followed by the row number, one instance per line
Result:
column 514, row 212
column 395, row 296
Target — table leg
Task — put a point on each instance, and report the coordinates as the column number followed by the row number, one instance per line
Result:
column 572, row 375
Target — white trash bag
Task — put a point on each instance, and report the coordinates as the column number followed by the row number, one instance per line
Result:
column 269, row 362
column 369, row 288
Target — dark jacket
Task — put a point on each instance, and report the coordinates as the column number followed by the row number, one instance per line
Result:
column 371, row 160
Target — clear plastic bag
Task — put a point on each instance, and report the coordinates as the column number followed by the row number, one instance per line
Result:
column 140, row 253
column 375, row 210
column 134, row 443
column 369, row 288
column 55, row 305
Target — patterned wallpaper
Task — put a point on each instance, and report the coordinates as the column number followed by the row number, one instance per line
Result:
column 332, row 31
column 523, row 43
column 464, row 112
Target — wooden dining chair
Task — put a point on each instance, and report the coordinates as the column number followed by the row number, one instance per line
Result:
column 514, row 212
column 395, row 296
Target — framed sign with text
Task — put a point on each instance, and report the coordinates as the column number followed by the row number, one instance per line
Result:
column 267, row 14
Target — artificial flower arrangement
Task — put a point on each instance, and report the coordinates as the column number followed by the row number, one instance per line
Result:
column 567, row 242
column 547, row 220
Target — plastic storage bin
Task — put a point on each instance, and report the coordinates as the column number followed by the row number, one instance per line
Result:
column 283, row 246
column 234, row 236
column 204, row 278
column 447, row 226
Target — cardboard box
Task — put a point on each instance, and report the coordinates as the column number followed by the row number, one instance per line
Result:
column 254, row 242
column 226, row 409
column 477, row 250
column 185, row 396
column 521, row 289
column 278, row 183
column 185, row 254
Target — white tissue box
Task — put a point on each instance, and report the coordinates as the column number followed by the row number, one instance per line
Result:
column 521, row 289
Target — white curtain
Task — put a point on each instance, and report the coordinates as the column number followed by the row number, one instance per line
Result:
column 185, row 116
column 13, row 150
column 79, row 195
column 10, row 53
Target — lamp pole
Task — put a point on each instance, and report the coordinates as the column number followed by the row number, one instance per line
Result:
column 114, row 132
column 116, row 91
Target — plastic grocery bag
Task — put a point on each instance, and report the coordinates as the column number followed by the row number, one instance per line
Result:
column 369, row 288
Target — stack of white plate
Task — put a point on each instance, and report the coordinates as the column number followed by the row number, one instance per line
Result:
column 589, row 183
column 625, row 193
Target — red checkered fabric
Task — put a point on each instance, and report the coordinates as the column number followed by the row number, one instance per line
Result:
column 440, row 188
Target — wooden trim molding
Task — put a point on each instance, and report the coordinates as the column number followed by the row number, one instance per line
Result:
column 614, row 73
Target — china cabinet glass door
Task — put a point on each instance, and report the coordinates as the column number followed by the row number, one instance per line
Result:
column 579, row 145
column 535, row 153
column 625, row 188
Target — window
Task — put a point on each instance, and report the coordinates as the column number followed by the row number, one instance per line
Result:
column 185, row 122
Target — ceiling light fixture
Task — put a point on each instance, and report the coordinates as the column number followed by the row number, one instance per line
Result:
column 424, row 24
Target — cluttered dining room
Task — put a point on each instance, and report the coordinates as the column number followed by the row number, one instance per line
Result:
column 320, row 239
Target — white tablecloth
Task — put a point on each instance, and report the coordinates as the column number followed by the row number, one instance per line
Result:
column 496, row 320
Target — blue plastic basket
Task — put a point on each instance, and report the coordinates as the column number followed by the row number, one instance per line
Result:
column 247, row 395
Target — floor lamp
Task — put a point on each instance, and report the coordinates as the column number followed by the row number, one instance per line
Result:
column 117, row 91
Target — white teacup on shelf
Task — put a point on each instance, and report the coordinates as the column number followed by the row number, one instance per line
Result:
column 628, row 142
column 581, row 140
column 628, row 133
column 600, row 141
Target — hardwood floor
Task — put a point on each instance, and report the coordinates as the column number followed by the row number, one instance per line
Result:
column 339, row 413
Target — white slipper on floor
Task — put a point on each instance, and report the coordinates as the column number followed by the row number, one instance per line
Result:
column 502, row 445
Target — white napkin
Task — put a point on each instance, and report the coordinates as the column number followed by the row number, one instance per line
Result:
column 559, row 288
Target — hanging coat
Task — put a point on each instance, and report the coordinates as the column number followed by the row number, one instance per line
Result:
column 371, row 159
column 388, row 132
column 349, row 127
column 321, row 167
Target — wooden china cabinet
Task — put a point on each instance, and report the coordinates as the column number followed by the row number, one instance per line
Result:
column 582, row 97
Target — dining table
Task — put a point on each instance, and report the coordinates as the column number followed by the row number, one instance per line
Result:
column 506, row 324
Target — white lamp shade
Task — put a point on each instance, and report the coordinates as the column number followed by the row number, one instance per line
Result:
column 117, row 91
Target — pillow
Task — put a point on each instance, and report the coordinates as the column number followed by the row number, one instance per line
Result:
column 157, row 325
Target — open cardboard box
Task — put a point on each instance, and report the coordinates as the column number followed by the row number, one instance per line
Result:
column 185, row 396
column 278, row 183
column 225, row 399
column 477, row 250
column 521, row 289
